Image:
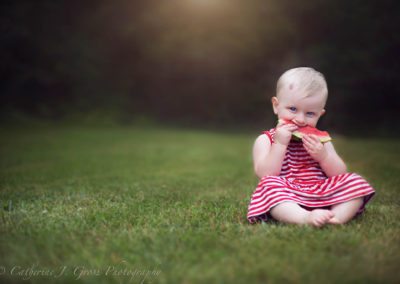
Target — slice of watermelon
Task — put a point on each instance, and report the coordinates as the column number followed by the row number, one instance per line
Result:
column 299, row 133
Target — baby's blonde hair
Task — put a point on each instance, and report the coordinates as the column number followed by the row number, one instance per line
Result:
column 305, row 79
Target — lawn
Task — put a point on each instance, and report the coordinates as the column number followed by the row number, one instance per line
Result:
column 158, row 205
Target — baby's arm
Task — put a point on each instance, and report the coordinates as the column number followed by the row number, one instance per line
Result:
column 325, row 155
column 267, row 157
column 332, row 164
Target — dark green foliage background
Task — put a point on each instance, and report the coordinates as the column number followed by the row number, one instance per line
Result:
column 197, row 62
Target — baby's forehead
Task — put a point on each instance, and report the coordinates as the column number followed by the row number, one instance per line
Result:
column 313, row 100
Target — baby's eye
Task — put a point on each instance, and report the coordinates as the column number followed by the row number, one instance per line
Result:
column 292, row 109
column 310, row 114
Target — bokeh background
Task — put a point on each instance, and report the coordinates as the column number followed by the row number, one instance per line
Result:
column 197, row 63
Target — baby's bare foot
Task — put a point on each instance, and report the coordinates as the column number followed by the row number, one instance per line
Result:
column 319, row 217
column 334, row 221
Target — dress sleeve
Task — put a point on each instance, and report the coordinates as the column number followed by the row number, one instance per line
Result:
column 270, row 135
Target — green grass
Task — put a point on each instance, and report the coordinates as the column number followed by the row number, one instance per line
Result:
column 172, row 203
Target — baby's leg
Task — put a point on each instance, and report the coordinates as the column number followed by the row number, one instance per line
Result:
column 345, row 211
column 292, row 213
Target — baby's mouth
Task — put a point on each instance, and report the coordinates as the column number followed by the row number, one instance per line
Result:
column 298, row 124
column 286, row 121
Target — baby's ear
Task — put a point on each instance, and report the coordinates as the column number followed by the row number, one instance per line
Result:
column 275, row 103
column 323, row 112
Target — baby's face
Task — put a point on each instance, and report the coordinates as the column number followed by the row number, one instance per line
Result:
column 296, row 107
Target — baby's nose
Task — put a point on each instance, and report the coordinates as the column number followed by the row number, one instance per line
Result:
column 299, row 120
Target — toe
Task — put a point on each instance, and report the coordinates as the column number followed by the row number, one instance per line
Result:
column 334, row 220
column 319, row 222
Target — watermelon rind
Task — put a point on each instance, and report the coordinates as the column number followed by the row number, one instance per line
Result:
column 299, row 135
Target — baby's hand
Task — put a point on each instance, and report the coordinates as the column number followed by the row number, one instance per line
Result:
column 314, row 147
column 284, row 132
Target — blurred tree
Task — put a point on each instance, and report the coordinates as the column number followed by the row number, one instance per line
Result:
column 198, row 61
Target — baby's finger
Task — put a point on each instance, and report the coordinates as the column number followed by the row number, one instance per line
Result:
column 308, row 139
column 280, row 123
column 308, row 144
column 288, row 127
column 315, row 138
column 292, row 127
column 307, row 147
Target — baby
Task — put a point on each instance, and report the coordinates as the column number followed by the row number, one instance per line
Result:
column 303, row 182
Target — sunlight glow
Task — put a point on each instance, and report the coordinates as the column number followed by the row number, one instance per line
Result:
column 207, row 4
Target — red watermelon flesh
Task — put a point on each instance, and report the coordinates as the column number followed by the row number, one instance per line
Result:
column 322, row 135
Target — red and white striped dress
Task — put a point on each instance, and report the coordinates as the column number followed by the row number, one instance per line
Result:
column 302, row 181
